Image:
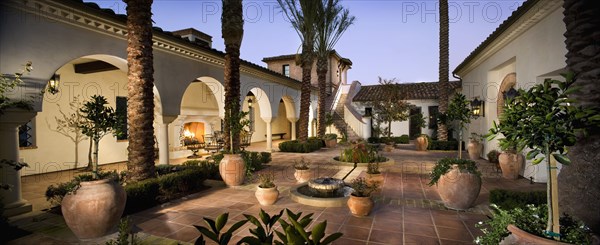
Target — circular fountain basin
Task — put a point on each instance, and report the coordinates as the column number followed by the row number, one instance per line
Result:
column 304, row 195
column 388, row 161
column 325, row 185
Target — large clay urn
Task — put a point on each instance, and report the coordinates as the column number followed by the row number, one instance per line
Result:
column 459, row 189
column 421, row 143
column 302, row 175
column 474, row 148
column 94, row 209
column 511, row 164
column 266, row 196
column 360, row 206
column 232, row 169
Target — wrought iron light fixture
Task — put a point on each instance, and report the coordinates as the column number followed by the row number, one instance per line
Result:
column 250, row 102
column 510, row 94
column 477, row 108
column 53, row 84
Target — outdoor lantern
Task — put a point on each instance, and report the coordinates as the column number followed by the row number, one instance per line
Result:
column 53, row 84
column 510, row 94
column 249, row 102
column 477, row 107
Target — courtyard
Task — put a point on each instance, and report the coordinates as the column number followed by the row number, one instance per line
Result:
column 407, row 210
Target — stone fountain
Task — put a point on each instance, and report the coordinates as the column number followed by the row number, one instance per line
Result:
column 323, row 192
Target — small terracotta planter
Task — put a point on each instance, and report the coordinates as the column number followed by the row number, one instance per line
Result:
column 360, row 206
column 511, row 165
column 375, row 178
column 388, row 148
column 523, row 237
column 330, row 143
column 303, row 175
column 232, row 169
column 94, row 209
column 266, row 196
column 421, row 143
column 459, row 190
column 474, row 149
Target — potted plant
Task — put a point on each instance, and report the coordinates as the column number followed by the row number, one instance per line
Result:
column 303, row 172
column 360, row 202
column 95, row 206
column 475, row 147
column 458, row 182
column 373, row 172
column 492, row 157
column 330, row 140
column 422, row 142
column 458, row 111
column 266, row 191
column 510, row 160
column 232, row 167
column 547, row 121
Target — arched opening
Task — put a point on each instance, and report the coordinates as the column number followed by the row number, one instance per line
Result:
column 508, row 82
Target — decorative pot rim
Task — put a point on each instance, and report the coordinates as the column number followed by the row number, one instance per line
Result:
column 359, row 197
column 266, row 189
column 532, row 237
column 95, row 182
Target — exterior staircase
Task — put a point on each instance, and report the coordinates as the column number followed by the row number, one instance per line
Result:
column 338, row 119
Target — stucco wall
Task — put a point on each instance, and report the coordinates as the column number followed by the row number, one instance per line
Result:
column 53, row 151
column 536, row 54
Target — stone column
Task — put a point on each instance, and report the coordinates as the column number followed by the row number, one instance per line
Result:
column 14, row 203
column 293, row 121
column 269, row 134
column 163, row 139
column 367, row 127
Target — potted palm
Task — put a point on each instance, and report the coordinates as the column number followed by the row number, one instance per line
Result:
column 96, row 205
column 458, row 182
column 547, row 121
column 303, row 172
column 360, row 202
column 266, row 191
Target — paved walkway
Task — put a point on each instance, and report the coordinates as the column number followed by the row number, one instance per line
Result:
column 407, row 210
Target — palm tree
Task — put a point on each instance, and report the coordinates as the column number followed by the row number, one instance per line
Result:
column 332, row 22
column 443, row 70
column 232, row 29
column 579, row 189
column 303, row 16
column 140, row 97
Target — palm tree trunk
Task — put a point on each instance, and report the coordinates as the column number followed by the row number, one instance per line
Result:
column 232, row 28
column 305, row 89
column 232, row 96
column 579, row 189
column 443, row 69
column 140, row 102
column 322, row 80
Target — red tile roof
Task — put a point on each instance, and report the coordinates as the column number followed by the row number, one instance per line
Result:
column 415, row 91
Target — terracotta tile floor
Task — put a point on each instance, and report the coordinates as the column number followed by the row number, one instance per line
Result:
column 407, row 210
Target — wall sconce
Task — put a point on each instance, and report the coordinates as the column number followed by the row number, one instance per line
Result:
column 53, row 84
column 249, row 102
column 510, row 94
column 477, row 108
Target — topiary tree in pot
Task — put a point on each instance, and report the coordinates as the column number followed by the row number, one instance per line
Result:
column 458, row 111
column 547, row 121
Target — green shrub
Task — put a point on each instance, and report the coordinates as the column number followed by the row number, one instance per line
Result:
column 374, row 140
column 55, row 194
column 296, row 146
column 141, row 195
column 444, row 165
column 265, row 157
column 317, row 140
column 508, row 200
column 404, row 139
column 450, row 145
column 493, row 156
column 191, row 163
column 360, row 153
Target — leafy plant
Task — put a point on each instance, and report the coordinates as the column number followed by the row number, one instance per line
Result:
column 126, row 236
column 546, row 120
column 295, row 231
column 360, row 152
column 493, row 156
column 363, row 188
column 101, row 120
column 458, row 111
column 7, row 84
column 508, row 199
column 215, row 232
column 262, row 234
column 266, row 180
column 330, row 136
column 373, row 168
column 419, row 120
column 444, row 166
column 329, row 121
column 303, row 164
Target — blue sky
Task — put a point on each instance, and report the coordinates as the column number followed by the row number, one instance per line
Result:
column 390, row 38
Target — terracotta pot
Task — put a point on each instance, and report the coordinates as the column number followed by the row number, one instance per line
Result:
column 360, row 206
column 94, row 209
column 330, row 143
column 375, row 178
column 474, row 149
column 511, row 165
column 303, row 175
column 422, row 143
column 266, row 196
column 232, row 169
column 522, row 237
column 459, row 190
column 388, row 148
